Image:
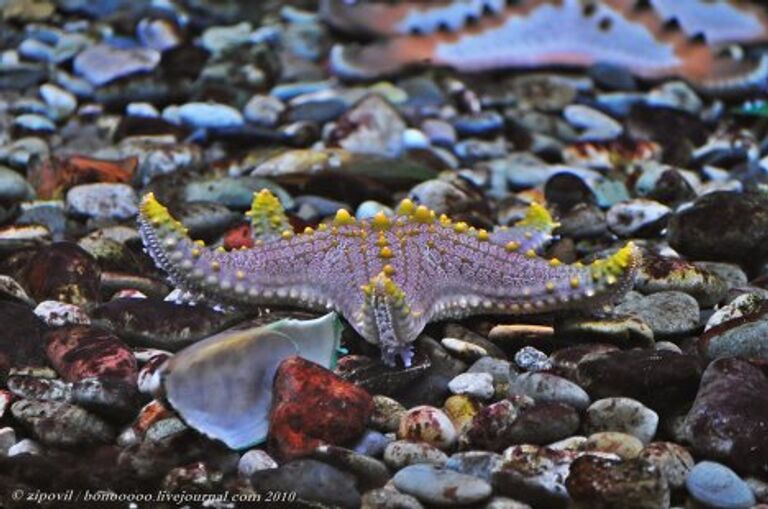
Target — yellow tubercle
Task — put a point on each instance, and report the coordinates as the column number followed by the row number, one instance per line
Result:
column 388, row 270
column 423, row 215
column 512, row 246
column 406, row 208
column 461, row 227
column 445, row 220
column 286, row 234
column 575, row 282
column 386, row 252
column 615, row 265
column 380, row 221
column 308, row 230
column 554, row 262
column 530, row 253
column 343, row 217
column 482, row 235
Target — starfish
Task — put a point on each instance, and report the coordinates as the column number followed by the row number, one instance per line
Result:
column 388, row 276
column 651, row 38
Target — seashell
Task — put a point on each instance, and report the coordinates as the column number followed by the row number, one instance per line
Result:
column 222, row 386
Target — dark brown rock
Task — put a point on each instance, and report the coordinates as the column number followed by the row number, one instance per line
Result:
column 662, row 380
column 729, row 418
column 599, row 483
column 21, row 343
column 65, row 272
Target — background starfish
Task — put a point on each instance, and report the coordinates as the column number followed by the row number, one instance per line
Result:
column 651, row 38
column 388, row 276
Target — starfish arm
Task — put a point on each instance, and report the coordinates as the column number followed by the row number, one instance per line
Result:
column 534, row 231
column 497, row 281
column 276, row 272
column 268, row 219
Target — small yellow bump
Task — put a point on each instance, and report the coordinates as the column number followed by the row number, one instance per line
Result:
column 196, row 252
column 445, row 220
column 386, row 252
column 382, row 241
column 221, row 249
column 430, row 243
column 482, row 235
column 423, row 215
column 240, row 275
column 343, row 218
column 550, row 286
column 388, row 270
column 380, row 221
column 530, row 253
column 200, row 243
column 286, row 234
column 406, row 207
column 554, row 262
column 322, row 227
column 461, row 227
column 308, row 230
column 512, row 246
column 528, row 235
column 610, row 280
column 575, row 282
column 215, row 266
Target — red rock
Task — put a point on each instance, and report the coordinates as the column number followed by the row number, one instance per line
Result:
column 65, row 272
column 237, row 237
column 311, row 407
column 52, row 177
column 81, row 351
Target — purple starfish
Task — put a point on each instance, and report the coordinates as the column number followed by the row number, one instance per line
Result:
column 388, row 276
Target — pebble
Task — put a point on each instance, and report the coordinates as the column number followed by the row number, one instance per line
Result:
column 622, row 445
column 661, row 380
column 64, row 272
column 441, row 487
column 61, row 103
column 25, row 446
column 13, row 187
column 427, row 424
column 530, row 359
column 101, row 63
column 33, row 123
column 535, row 475
column 674, row 461
column 264, row 110
column 311, row 480
column 727, row 420
column 389, row 498
column 209, row 115
column 743, row 335
column 659, row 274
column 633, row 484
column 103, row 201
column 637, row 218
column 401, row 453
column 372, row 126
column 713, row 485
column 480, row 464
column 387, row 413
column 549, row 388
column 669, row 314
column 7, row 440
column 622, row 414
column 497, row 368
column 62, row 424
column 478, row 385
column 57, row 314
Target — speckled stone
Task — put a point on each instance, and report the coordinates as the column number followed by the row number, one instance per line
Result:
column 440, row 486
column 622, row 414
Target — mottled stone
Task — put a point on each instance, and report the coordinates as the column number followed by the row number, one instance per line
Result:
column 389, row 498
column 21, row 341
column 101, row 63
column 440, row 486
column 103, row 201
column 622, row 414
column 57, row 314
column 674, row 461
column 660, row 274
column 64, row 272
column 80, row 351
column 401, row 453
column 161, row 324
column 479, row 385
column 311, row 407
column 427, row 424
column 61, row 424
column 372, row 126
column 745, row 335
column 623, row 445
column 610, row 484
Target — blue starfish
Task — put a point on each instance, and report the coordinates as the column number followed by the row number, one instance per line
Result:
column 388, row 276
